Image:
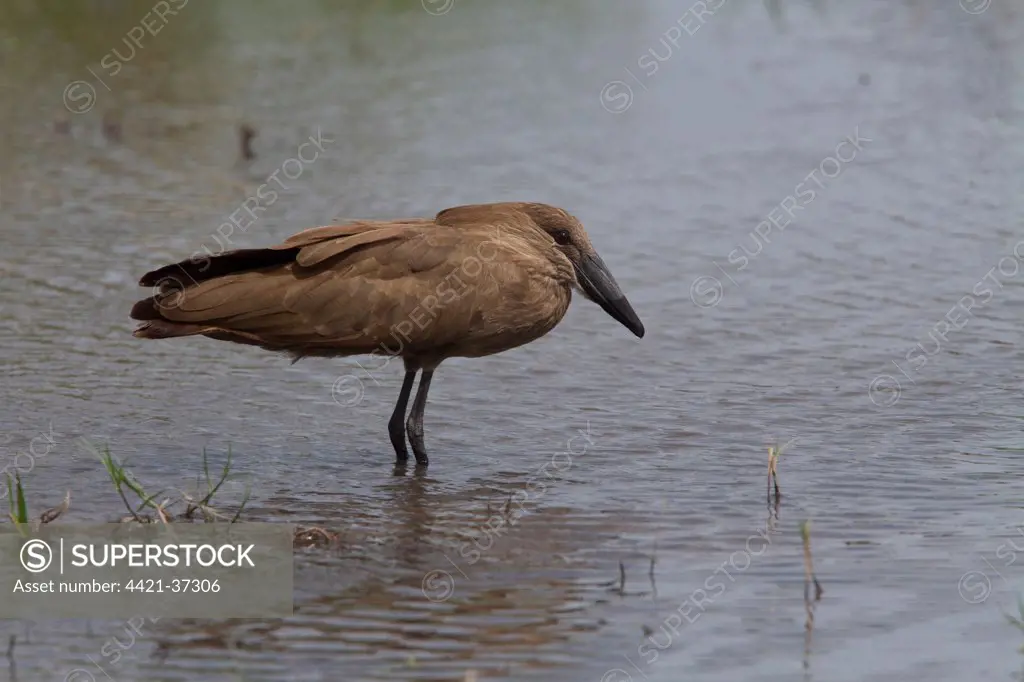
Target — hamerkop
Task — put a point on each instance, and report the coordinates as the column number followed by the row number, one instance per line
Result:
column 474, row 281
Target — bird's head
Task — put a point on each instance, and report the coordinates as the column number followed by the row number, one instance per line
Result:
column 566, row 239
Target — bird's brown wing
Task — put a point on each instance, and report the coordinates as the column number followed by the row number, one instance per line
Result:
column 201, row 267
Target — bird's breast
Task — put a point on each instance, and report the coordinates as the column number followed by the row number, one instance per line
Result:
column 517, row 316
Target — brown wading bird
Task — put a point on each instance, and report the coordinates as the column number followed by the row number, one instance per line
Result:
column 474, row 281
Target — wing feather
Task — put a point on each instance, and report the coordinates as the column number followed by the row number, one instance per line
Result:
column 320, row 251
column 319, row 234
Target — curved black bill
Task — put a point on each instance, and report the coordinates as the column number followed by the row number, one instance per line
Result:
column 599, row 285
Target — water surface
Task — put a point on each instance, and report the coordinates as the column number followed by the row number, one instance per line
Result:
column 755, row 336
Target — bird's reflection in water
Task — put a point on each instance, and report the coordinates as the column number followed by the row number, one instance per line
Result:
column 428, row 578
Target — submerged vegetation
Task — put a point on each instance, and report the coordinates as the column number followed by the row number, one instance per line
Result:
column 18, row 512
column 809, row 577
column 773, row 473
column 147, row 509
column 143, row 507
column 163, row 506
column 16, row 497
column 1018, row 620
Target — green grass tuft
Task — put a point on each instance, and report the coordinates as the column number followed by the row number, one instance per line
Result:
column 16, row 500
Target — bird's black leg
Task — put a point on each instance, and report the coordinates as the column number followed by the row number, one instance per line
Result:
column 396, row 425
column 415, row 423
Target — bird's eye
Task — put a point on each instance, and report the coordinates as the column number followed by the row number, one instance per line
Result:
column 562, row 237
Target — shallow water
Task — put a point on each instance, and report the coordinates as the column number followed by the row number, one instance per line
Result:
column 755, row 337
